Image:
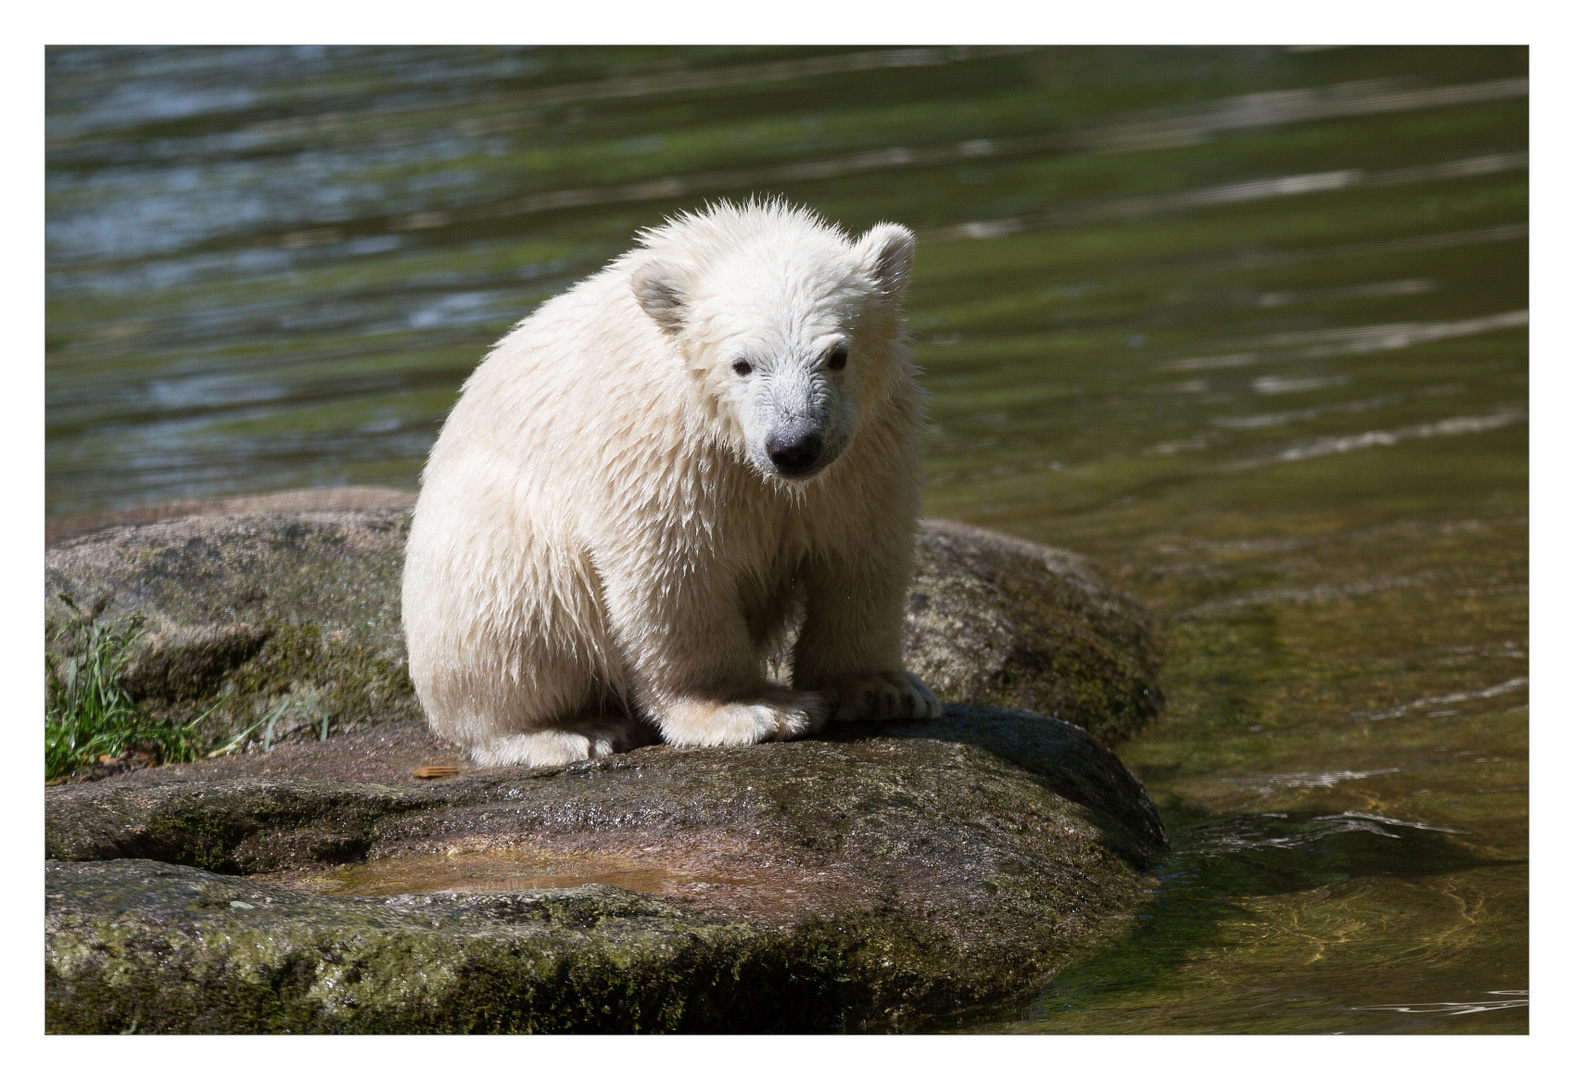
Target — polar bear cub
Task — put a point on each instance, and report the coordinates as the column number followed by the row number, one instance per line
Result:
column 704, row 457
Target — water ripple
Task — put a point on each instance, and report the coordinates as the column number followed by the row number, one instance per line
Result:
column 1343, row 444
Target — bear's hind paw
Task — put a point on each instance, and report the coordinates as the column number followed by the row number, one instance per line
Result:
column 773, row 716
column 888, row 695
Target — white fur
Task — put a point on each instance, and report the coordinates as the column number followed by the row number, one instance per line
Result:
column 602, row 535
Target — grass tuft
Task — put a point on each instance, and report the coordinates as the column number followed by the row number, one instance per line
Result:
column 88, row 714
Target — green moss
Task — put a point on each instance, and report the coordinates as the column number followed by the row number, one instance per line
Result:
column 349, row 683
column 592, row 959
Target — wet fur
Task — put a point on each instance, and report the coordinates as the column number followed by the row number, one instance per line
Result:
column 600, row 538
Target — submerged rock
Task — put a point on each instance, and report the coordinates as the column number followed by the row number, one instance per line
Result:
column 867, row 880
column 292, row 601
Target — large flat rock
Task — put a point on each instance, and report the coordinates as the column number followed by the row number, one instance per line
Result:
column 874, row 878
column 293, row 600
column 866, row 881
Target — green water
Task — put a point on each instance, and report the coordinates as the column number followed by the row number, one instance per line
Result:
column 1245, row 325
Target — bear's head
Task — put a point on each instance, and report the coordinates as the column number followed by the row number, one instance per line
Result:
column 790, row 328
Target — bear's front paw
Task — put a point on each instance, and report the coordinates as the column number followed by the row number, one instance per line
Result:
column 886, row 695
column 567, row 741
column 770, row 716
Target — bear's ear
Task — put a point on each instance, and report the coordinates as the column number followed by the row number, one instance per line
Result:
column 887, row 253
column 661, row 290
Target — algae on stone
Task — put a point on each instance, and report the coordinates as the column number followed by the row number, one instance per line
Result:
column 143, row 946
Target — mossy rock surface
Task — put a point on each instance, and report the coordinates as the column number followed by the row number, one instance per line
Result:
column 293, row 600
column 250, row 611
column 995, row 620
column 875, row 879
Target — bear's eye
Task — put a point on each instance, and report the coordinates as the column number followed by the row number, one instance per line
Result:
column 838, row 358
column 742, row 367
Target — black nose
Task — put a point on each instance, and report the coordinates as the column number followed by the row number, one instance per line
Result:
column 794, row 454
